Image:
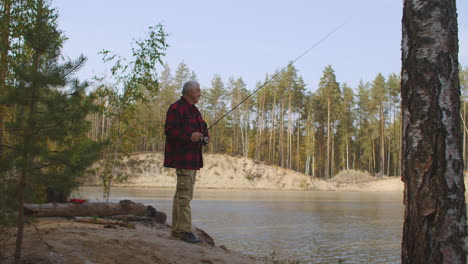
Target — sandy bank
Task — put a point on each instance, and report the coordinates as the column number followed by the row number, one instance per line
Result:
column 227, row 172
column 61, row 240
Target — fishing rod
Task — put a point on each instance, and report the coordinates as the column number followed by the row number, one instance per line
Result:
column 274, row 76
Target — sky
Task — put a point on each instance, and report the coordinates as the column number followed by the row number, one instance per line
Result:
column 248, row 38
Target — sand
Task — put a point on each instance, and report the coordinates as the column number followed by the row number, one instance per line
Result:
column 61, row 240
column 226, row 172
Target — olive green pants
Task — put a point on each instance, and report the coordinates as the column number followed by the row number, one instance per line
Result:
column 181, row 211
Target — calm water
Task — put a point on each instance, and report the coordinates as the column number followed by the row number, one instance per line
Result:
column 314, row 227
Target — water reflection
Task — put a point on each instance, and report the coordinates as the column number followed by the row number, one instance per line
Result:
column 314, row 227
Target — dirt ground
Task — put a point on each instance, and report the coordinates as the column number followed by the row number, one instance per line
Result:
column 62, row 240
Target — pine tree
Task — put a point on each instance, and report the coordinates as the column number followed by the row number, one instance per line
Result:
column 329, row 93
column 167, row 94
column 181, row 76
column 346, row 126
column 49, row 109
column 216, row 106
column 364, row 139
column 309, row 137
column 259, row 126
column 393, row 85
column 379, row 98
column 239, row 118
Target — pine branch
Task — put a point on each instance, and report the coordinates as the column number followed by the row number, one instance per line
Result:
column 55, row 151
column 60, row 258
column 40, row 236
column 9, row 147
column 38, row 129
column 47, row 165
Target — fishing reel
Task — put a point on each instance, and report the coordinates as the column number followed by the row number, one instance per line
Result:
column 204, row 141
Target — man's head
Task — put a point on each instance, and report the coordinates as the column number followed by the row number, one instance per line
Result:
column 191, row 91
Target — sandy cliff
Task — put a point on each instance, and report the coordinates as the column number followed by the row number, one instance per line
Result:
column 227, row 172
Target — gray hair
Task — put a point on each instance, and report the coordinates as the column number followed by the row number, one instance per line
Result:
column 189, row 86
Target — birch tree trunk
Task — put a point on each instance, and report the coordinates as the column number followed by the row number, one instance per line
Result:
column 432, row 167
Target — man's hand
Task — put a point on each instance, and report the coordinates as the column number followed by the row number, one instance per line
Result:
column 196, row 137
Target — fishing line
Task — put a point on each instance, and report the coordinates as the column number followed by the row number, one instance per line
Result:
column 273, row 77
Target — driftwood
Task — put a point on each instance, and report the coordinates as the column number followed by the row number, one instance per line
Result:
column 129, row 217
column 101, row 221
column 100, row 209
column 139, row 218
column 201, row 234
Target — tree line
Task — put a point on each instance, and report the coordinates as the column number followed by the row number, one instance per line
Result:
column 314, row 130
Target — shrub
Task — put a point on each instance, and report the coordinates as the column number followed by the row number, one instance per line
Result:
column 352, row 176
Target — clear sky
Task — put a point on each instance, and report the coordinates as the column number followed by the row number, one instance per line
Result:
column 249, row 38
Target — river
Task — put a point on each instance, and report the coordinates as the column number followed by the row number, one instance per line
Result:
column 310, row 226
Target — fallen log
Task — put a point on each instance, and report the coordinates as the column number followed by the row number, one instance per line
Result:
column 101, row 209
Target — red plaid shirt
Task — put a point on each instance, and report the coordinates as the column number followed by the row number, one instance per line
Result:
column 182, row 120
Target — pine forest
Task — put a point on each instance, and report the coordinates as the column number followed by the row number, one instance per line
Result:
column 318, row 131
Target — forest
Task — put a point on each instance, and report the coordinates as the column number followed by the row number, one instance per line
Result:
column 314, row 130
column 54, row 126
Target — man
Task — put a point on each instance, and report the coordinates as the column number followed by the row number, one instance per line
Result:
column 186, row 132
